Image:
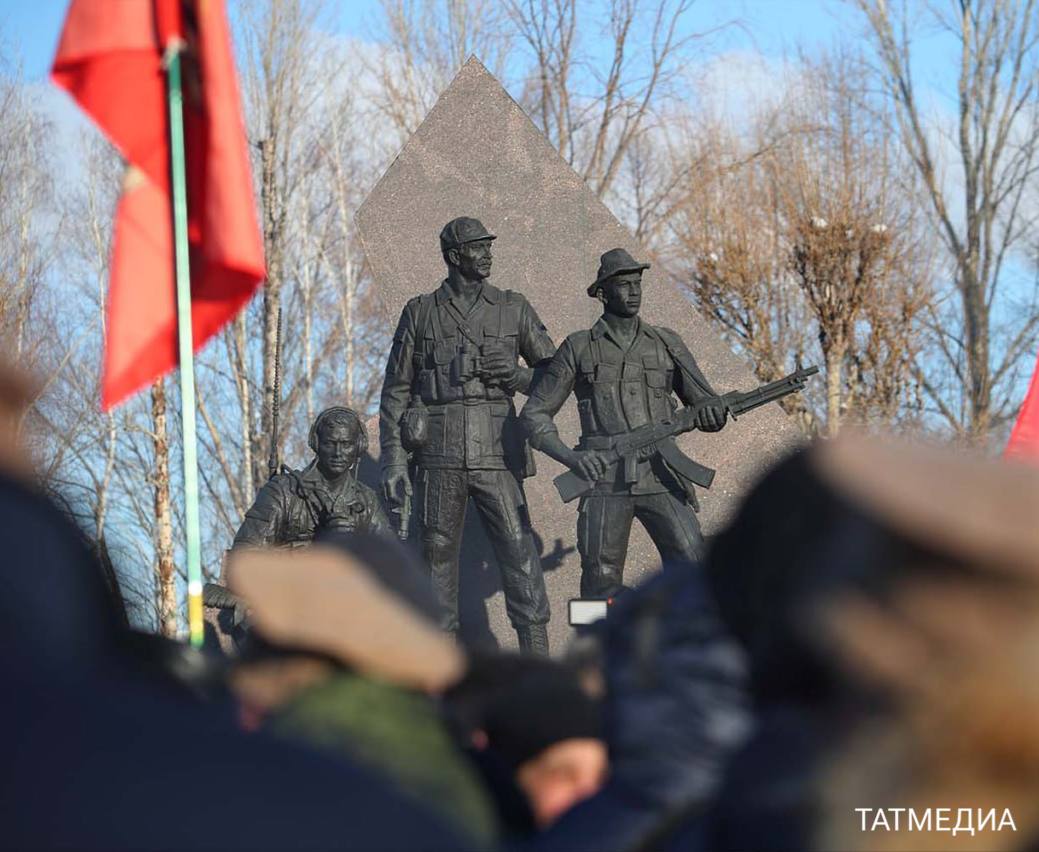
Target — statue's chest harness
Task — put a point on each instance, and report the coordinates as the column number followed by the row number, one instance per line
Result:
column 452, row 344
column 618, row 390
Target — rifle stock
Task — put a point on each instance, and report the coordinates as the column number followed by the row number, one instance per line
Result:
column 571, row 486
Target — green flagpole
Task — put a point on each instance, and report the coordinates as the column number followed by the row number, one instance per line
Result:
column 178, row 186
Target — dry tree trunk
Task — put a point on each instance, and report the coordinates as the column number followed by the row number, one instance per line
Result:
column 983, row 218
column 165, row 572
column 273, row 245
column 241, row 379
column 349, row 291
column 834, row 356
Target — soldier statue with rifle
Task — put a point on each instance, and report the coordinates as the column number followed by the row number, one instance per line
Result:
column 623, row 372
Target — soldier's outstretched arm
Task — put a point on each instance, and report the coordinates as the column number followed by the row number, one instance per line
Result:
column 546, row 398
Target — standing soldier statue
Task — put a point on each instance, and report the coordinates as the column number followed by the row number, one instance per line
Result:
column 623, row 372
column 447, row 399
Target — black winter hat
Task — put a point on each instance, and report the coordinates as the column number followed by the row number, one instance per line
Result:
column 541, row 707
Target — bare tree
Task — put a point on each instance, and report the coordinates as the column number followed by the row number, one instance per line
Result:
column 594, row 116
column 280, row 88
column 423, row 43
column 164, row 568
column 100, row 464
column 808, row 245
column 26, row 199
column 982, row 215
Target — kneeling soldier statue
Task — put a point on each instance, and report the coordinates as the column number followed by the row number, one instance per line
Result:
column 447, row 399
column 294, row 504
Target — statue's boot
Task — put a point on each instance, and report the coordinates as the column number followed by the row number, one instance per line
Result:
column 533, row 639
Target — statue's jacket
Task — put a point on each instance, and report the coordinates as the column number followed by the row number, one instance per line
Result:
column 618, row 389
column 472, row 423
column 292, row 506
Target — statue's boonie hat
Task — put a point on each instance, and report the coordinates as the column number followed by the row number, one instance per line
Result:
column 614, row 262
column 463, row 230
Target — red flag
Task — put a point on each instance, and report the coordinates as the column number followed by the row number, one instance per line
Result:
column 1024, row 438
column 110, row 60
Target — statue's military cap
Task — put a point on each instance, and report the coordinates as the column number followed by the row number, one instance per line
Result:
column 462, row 230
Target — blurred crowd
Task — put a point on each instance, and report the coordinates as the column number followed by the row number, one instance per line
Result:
column 861, row 639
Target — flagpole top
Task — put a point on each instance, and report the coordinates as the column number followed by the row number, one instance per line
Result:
column 174, row 46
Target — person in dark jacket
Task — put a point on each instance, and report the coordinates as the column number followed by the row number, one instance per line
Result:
column 676, row 709
column 97, row 756
column 535, row 731
column 852, row 526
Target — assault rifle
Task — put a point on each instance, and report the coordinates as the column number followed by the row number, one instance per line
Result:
column 645, row 441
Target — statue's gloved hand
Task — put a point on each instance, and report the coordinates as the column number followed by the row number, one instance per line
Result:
column 711, row 418
column 591, row 464
column 498, row 364
column 396, row 484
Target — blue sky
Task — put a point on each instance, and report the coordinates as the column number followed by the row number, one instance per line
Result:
column 762, row 31
column 32, row 27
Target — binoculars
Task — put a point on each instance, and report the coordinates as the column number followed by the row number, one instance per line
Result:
column 467, row 364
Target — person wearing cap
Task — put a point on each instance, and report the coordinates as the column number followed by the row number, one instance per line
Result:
column 454, row 370
column 623, row 372
column 535, row 732
column 294, row 505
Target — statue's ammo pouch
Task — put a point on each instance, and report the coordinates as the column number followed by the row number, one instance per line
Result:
column 414, row 425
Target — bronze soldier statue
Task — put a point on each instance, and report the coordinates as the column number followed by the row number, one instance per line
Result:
column 447, row 398
column 623, row 372
column 295, row 504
